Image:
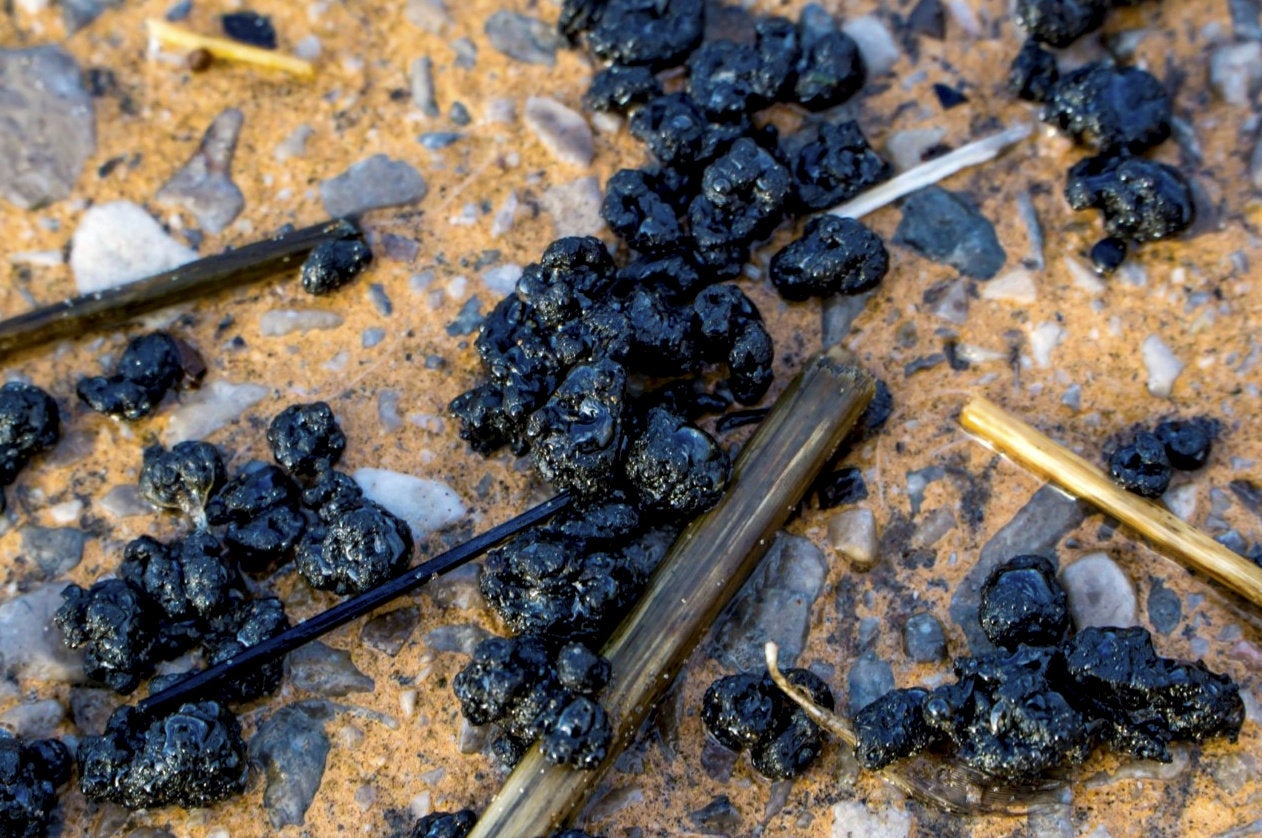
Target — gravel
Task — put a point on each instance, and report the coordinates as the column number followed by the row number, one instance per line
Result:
column 522, row 37
column 48, row 129
column 563, row 131
column 945, row 227
column 320, row 669
column 774, row 604
column 294, row 144
column 429, row 15
column 853, row 534
column 388, row 632
column 575, row 207
column 421, row 81
column 856, row 819
column 1165, row 609
column 286, row 321
column 291, row 747
column 372, row 183
column 37, row 720
column 55, row 550
column 426, row 505
column 869, row 679
column 210, row 408
column 1100, row 593
column 1014, row 286
column 118, row 242
column 924, row 638
column 1161, row 365
column 1235, row 71
column 203, row 186
column 876, row 44
column 31, row 645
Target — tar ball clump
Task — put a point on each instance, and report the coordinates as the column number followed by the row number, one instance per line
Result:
column 1033, row 74
column 30, row 773
column 618, row 89
column 332, row 264
column 747, row 711
column 364, row 546
column 1141, row 199
column 183, row 478
column 1110, row 109
column 1047, row 701
column 655, row 33
column 150, row 365
column 1059, row 23
column 834, row 256
column 192, row 757
column 676, row 467
column 261, row 516
column 835, row 166
column 29, row 424
column 515, row 683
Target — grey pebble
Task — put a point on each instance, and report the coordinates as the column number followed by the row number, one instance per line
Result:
column 562, row 130
column 718, row 817
column 36, row 720
column 950, row 302
column 774, row 604
column 31, row 644
column 472, row 739
column 468, row 320
column 421, row 82
column 1036, row 528
column 320, row 669
column 927, row 18
column 399, row 249
column 575, row 207
column 294, row 144
column 466, row 53
column 945, row 227
column 924, row 638
column 1235, row 71
column 1248, row 494
column 91, row 707
column 372, row 183
column 838, row 313
column 203, row 186
column 1164, row 608
column 389, row 631
column 522, row 37
column 388, row 410
column 1100, row 593
column 462, row 638
column 291, row 747
column 1245, row 19
column 380, row 299
column 179, row 11
column 459, row 114
column 47, row 132
column 436, row 140
column 429, row 15
column 55, row 550
column 717, row 761
column 285, row 321
column 371, row 336
column 869, row 679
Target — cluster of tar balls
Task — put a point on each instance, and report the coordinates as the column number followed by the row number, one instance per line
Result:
column 569, row 357
column 459, row 824
column 1047, row 697
column 1117, row 112
column 169, row 598
column 1145, row 464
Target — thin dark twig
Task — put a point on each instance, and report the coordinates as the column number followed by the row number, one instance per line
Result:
column 200, row 684
column 116, row 305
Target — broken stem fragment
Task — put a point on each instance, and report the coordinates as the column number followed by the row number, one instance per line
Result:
column 200, row 685
column 1169, row 534
column 703, row 570
column 116, row 305
column 927, row 174
column 227, row 50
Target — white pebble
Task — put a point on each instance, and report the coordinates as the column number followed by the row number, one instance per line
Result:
column 66, row 513
column 504, row 216
column 426, row 505
column 117, row 243
column 1044, row 338
column 876, row 44
column 501, row 280
column 1181, row 500
column 1100, row 593
column 852, row 533
column 1162, row 366
column 854, row 819
column 562, row 130
column 284, row 321
column 210, row 408
column 1015, row 286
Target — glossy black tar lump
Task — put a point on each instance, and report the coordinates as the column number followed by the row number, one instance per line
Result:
column 1141, row 199
column 1046, row 701
column 30, row 773
column 29, row 424
column 445, row 824
column 747, row 711
column 332, row 264
column 833, row 256
column 149, row 366
column 1142, row 466
column 1110, row 108
column 192, row 757
column 182, row 478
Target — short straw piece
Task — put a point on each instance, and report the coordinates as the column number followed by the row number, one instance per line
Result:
column 226, row 49
column 703, row 570
column 1080, row 478
column 201, row 684
column 115, row 305
column 927, row 174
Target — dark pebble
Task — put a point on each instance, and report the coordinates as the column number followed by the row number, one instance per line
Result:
column 945, row 227
column 1107, row 255
column 1164, row 608
column 250, row 28
column 948, row 97
column 924, row 638
column 388, row 632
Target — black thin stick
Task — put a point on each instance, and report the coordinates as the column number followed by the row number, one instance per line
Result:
column 200, row 682
column 115, row 305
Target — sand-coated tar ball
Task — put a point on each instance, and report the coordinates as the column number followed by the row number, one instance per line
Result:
column 149, row 366
column 1021, row 602
column 189, row 579
column 655, row 33
column 116, row 625
column 1142, row 467
column 675, row 467
column 836, row 165
column 1141, row 199
column 332, row 264
column 739, row 710
column 30, row 773
column 1059, row 23
column 29, row 424
column 246, row 624
column 1033, row 74
column 618, row 89
column 305, row 439
column 183, row 478
column 363, row 547
column 192, row 757
column 445, row 824
column 1110, row 109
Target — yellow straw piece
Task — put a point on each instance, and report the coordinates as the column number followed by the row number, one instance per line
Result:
column 228, row 50
column 1080, row 478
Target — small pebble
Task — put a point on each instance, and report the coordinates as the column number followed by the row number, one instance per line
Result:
column 421, row 79
column 1165, row 609
column 292, row 748
column 924, row 638
column 426, row 505
column 320, row 669
column 286, row 321
column 388, row 632
column 431, row 16
column 1107, row 255
column 522, row 38
column 869, row 679
column 117, row 242
column 211, row 407
column 55, row 551
column 249, row 28
column 946, row 227
column 203, row 186
column 1100, row 593
column 563, row 131
column 853, row 534
column 372, row 183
